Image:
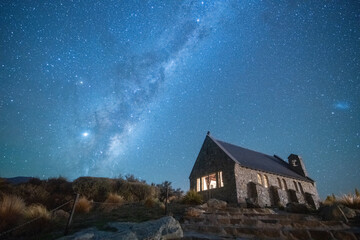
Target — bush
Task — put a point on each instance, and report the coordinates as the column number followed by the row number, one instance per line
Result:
column 135, row 191
column 113, row 201
column 93, row 188
column 33, row 193
column 37, row 211
column 150, row 202
column 83, row 205
column 192, row 197
column 351, row 201
column 11, row 210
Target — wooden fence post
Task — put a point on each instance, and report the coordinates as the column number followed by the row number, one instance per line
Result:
column 71, row 215
column 166, row 200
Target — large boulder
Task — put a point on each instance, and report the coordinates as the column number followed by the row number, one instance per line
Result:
column 216, row 204
column 163, row 228
column 194, row 212
column 297, row 208
column 337, row 212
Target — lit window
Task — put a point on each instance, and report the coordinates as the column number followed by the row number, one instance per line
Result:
column 296, row 187
column 198, row 185
column 301, row 189
column 204, row 184
column 279, row 183
column 259, row 179
column 220, row 178
column 266, row 181
column 285, row 186
column 212, row 181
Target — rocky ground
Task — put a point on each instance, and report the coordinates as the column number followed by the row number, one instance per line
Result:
column 216, row 220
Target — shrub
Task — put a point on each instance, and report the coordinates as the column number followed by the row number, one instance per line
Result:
column 113, row 201
column 350, row 200
column 83, row 205
column 11, row 209
column 37, row 211
column 150, row 202
column 330, row 200
column 135, row 191
column 192, row 197
column 41, row 224
column 32, row 193
column 93, row 188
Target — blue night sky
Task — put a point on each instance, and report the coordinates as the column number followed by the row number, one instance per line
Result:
column 103, row 88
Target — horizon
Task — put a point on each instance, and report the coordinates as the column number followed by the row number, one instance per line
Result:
column 104, row 89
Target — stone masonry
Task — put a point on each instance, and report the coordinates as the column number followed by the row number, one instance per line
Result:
column 242, row 184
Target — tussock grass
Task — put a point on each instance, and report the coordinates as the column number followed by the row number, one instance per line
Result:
column 11, row 210
column 349, row 200
column 113, row 201
column 83, row 205
column 192, row 197
column 37, row 211
column 149, row 203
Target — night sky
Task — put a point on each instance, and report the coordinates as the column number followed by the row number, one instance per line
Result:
column 103, row 88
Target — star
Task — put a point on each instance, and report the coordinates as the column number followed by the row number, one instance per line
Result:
column 85, row 134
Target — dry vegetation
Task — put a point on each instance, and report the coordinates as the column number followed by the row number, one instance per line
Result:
column 129, row 199
column 349, row 200
column 37, row 211
column 192, row 197
column 83, row 205
column 112, row 202
column 11, row 210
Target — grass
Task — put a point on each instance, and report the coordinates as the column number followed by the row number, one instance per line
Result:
column 112, row 202
column 192, row 197
column 83, row 205
column 11, row 211
column 349, row 200
column 37, row 211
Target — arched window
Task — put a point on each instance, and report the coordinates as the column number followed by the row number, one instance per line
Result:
column 301, row 189
column 279, row 183
column 266, row 181
column 285, row 186
column 259, row 178
column 296, row 187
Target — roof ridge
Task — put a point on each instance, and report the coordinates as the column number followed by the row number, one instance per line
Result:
column 257, row 160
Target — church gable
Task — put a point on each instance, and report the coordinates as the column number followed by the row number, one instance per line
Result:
column 235, row 174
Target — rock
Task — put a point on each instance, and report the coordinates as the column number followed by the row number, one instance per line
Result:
column 203, row 206
column 337, row 212
column 61, row 214
column 194, row 212
column 297, row 208
column 251, row 203
column 163, row 228
column 216, row 204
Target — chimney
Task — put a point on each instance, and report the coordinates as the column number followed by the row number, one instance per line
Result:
column 296, row 164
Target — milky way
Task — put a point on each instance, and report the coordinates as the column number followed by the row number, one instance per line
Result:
column 110, row 88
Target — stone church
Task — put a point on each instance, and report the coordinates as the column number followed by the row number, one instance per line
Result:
column 238, row 175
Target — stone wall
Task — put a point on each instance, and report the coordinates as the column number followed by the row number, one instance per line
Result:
column 274, row 192
column 236, row 179
column 212, row 159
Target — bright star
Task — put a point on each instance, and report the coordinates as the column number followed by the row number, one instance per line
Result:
column 198, row 20
column 85, row 134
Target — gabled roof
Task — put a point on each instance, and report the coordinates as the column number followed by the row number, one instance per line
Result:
column 258, row 161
